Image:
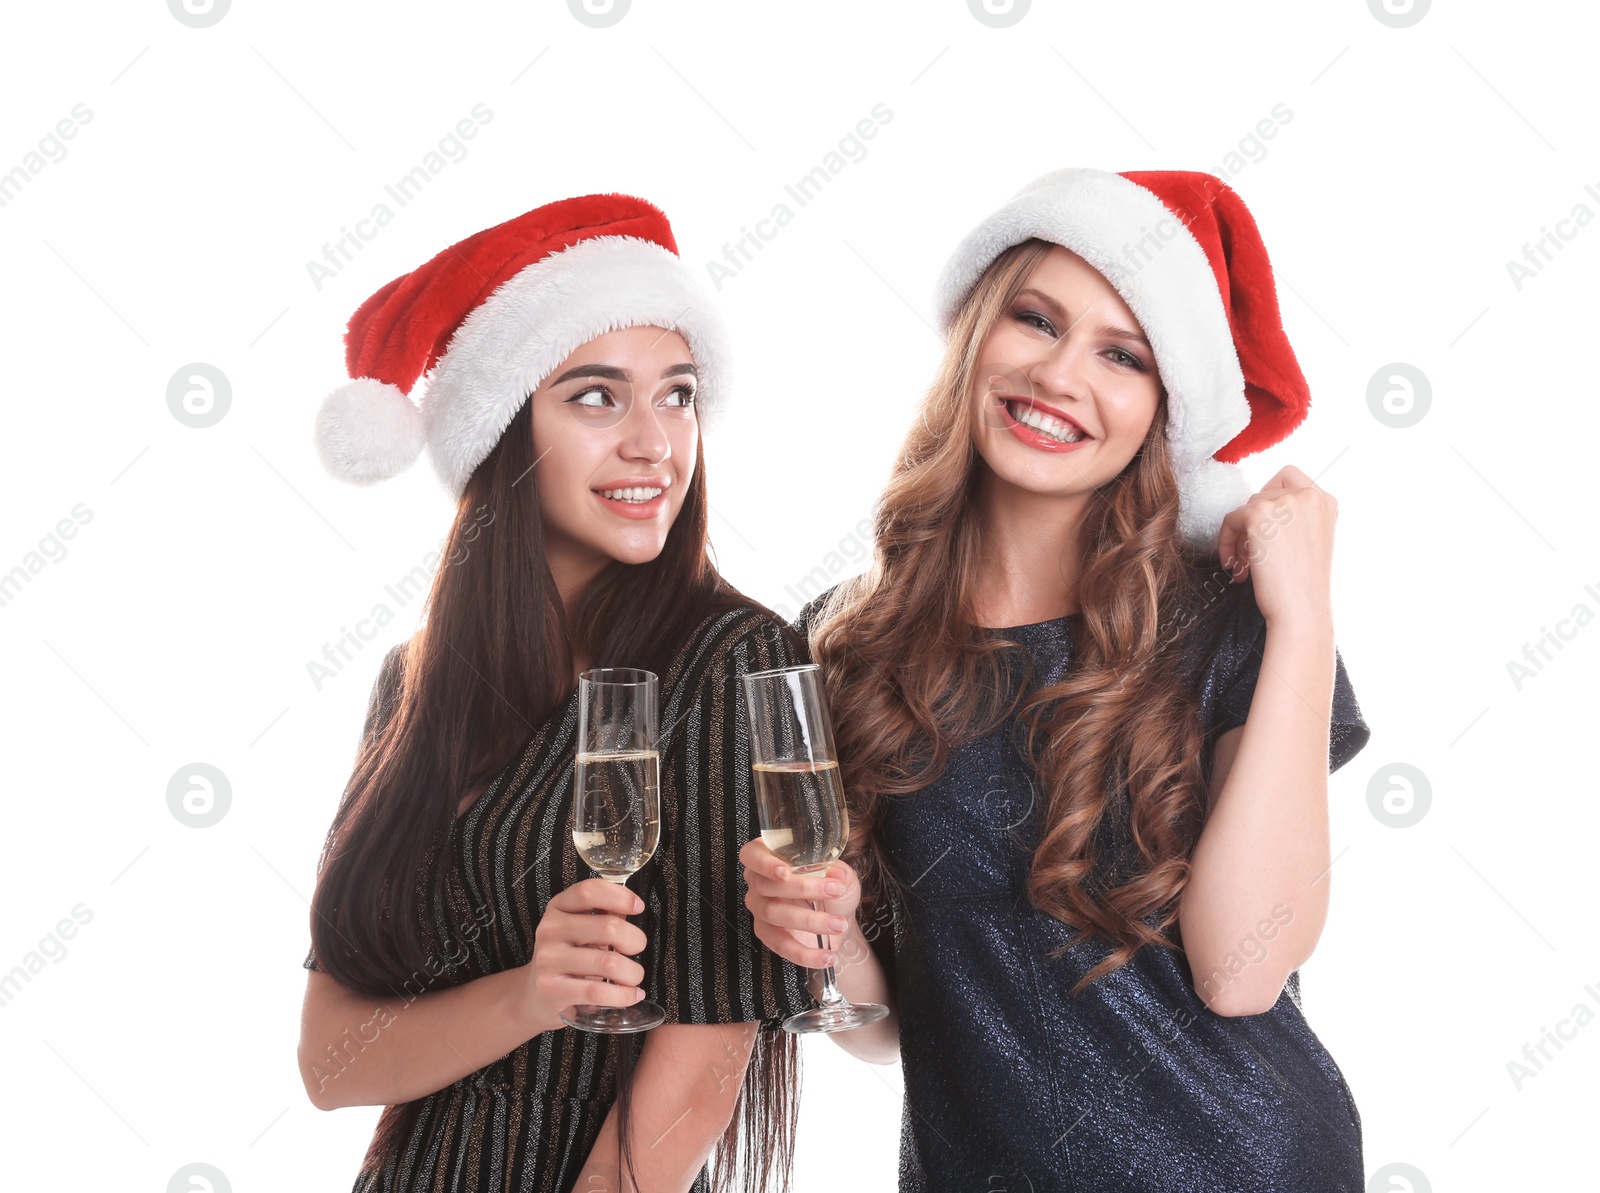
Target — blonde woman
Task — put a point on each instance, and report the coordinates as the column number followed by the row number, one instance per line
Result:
column 1087, row 700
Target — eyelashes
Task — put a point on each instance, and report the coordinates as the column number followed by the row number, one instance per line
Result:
column 687, row 390
column 1037, row 321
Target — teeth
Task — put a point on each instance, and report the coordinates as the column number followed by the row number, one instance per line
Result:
column 634, row 495
column 1053, row 427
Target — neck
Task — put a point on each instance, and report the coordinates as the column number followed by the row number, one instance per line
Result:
column 1029, row 553
column 573, row 571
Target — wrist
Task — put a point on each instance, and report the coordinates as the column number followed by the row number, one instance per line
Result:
column 1312, row 625
column 1301, row 653
column 519, row 1009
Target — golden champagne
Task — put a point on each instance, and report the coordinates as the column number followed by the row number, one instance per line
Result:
column 802, row 805
column 617, row 827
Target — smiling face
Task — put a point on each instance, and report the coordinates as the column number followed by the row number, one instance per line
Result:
column 1065, row 387
column 615, row 435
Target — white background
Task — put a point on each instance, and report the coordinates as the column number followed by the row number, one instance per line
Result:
column 217, row 562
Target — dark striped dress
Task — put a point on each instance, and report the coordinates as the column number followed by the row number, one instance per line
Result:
column 529, row 1120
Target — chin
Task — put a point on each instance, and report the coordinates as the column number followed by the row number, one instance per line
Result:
column 1051, row 479
column 636, row 548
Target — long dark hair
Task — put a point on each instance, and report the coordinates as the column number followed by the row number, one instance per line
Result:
column 492, row 661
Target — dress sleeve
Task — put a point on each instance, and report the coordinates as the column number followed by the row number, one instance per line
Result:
column 703, row 963
column 1235, row 666
column 380, row 707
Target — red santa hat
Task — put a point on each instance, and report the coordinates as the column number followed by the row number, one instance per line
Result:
column 1182, row 250
column 492, row 316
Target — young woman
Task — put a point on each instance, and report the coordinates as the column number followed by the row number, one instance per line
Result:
column 1085, row 716
column 572, row 359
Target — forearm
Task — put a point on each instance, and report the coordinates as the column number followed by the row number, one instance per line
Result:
column 861, row 978
column 1257, row 892
column 360, row 1051
column 684, row 1090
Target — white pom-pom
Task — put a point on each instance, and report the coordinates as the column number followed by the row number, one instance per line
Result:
column 368, row 431
column 1208, row 491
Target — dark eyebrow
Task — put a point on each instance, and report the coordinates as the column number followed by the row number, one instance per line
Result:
column 1105, row 329
column 612, row 373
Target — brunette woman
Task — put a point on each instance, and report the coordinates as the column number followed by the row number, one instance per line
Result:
column 1086, row 710
column 570, row 358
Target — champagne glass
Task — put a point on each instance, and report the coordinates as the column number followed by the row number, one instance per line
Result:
column 800, row 801
column 616, row 803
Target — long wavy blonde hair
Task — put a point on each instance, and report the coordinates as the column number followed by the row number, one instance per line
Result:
column 909, row 675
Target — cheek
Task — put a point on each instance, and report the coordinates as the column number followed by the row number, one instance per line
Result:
column 999, row 369
column 685, row 441
column 1129, row 412
column 562, row 475
column 1005, row 348
column 559, row 490
column 684, row 436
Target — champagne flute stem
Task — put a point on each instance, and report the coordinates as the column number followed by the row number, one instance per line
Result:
column 831, row 995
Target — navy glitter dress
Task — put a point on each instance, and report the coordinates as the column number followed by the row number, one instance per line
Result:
column 1011, row 1082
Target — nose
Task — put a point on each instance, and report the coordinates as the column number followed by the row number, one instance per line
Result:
column 1059, row 370
column 644, row 438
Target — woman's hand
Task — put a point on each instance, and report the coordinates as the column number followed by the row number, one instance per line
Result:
column 570, row 958
column 1283, row 538
column 777, row 899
